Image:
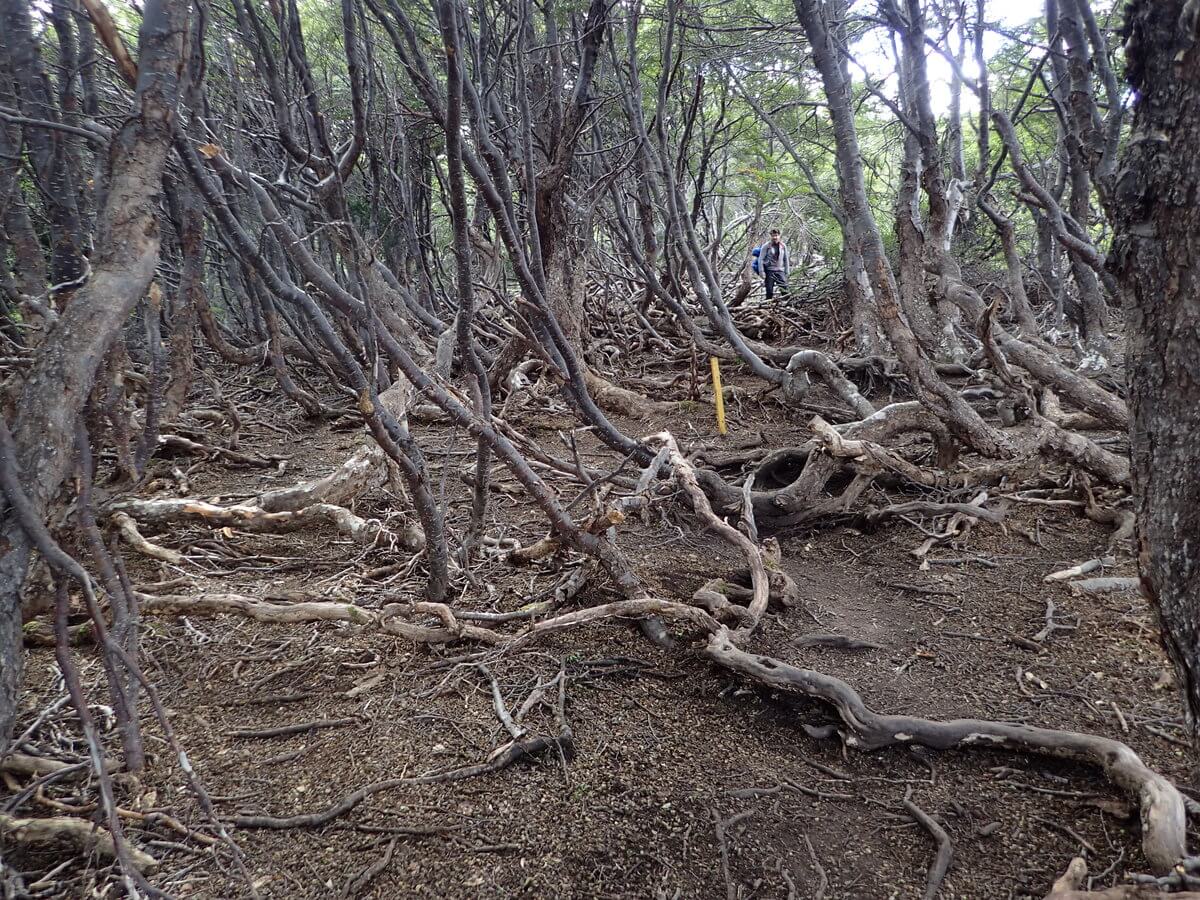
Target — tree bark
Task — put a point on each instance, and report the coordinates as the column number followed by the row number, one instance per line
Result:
column 1081, row 123
column 945, row 402
column 1154, row 255
column 123, row 265
column 48, row 147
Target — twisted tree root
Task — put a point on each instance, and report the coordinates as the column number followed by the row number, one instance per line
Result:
column 512, row 752
column 386, row 620
column 1163, row 813
column 134, row 538
column 1071, row 887
column 685, row 474
column 945, row 849
column 1163, row 810
column 817, row 363
column 731, row 596
column 245, row 517
column 365, row 469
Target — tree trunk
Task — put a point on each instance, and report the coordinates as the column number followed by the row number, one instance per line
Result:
column 123, row 265
column 941, row 399
column 868, row 333
column 1048, row 287
column 1154, row 255
column 28, row 264
column 183, row 309
column 910, row 236
column 1074, row 97
column 48, row 147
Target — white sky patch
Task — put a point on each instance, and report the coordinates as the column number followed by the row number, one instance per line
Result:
column 874, row 54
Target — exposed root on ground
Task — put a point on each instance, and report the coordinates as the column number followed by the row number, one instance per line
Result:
column 1163, row 811
column 522, row 746
column 245, row 517
column 945, row 849
column 323, row 500
column 365, row 470
column 741, row 600
column 553, row 543
column 387, row 620
column 26, row 764
column 732, row 595
column 181, row 444
column 82, row 835
column 1072, row 886
column 170, row 511
column 132, row 536
column 623, row 401
column 1162, row 807
column 813, row 362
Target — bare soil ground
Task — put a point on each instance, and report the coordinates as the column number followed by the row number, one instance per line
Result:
column 666, row 748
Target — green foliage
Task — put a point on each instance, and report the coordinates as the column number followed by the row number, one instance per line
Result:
column 740, row 49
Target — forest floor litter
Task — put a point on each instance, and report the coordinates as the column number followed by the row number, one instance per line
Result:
column 680, row 781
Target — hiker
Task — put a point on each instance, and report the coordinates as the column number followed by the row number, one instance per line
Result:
column 775, row 264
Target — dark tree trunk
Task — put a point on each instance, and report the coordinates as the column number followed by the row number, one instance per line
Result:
column 937, row 232
column 1155, row 252
column 562, row 258
column 48, row 147
column 910, row 234
column 1048, row 285
column 1076, row 109
column 183, row 309
column 190, row 231
column 28, row 264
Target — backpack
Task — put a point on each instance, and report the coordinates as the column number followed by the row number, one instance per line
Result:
column 754, row 262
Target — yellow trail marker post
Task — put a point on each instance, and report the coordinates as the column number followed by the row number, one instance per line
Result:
column 718, row 394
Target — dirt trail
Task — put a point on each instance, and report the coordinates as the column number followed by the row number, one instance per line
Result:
column 665, row 747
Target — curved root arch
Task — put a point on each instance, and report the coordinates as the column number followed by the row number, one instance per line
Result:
column 1164, row 818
